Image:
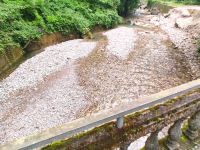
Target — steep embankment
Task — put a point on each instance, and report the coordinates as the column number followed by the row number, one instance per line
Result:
column 23, row 21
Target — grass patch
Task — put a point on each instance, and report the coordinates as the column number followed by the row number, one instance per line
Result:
column 174, row 3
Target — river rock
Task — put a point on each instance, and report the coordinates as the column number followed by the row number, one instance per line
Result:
column 166, row 15
column 155, row 20
column 155, row 11
column 185, row 13
column 183, row 23
column 130, row 22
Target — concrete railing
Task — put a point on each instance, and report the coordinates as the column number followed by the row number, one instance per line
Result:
column 80, row 125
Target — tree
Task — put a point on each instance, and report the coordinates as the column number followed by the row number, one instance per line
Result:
column 126, row 6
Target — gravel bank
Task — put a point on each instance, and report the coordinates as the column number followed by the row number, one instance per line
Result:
column 121, row 41
column 75, row 78
column 36, row 69
column 150, row 66
column 184, row 39
column 43, row 92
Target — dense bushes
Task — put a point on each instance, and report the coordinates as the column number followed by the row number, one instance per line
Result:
column 25, row 20
column 126, row 6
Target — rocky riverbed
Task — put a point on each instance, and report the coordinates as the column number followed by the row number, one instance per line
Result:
column 79, row 77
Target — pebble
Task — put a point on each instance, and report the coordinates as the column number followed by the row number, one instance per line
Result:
column 46, row 106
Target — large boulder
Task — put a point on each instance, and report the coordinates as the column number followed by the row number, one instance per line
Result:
column 183, row 23
column 155, row 11
column 185, row 13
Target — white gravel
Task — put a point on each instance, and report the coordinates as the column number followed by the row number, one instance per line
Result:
column 182, row 39
column 55, row 105
column 51, row 60
column 121, row 41
column 43, row 92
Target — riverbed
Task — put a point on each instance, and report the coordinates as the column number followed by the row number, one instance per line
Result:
column 79, row 77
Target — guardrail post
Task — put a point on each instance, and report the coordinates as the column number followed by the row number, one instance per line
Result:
column 152, row 141
column 174, row 136
column 120, row 122
column 193, row 126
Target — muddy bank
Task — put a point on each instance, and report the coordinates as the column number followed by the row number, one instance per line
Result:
column 9, row 58
column 49, row 39
column 13, row 57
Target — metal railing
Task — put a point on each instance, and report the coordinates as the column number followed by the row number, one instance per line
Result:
column 72, row 128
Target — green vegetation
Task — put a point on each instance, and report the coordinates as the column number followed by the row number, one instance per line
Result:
column 126, row 6
column 174, row 2
column 24, row 20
